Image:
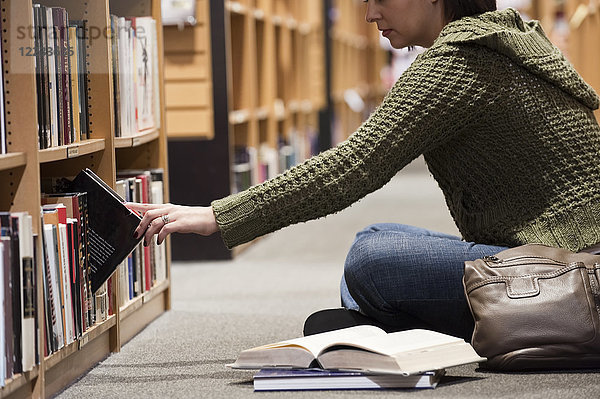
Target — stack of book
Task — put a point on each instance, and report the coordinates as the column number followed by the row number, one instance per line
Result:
column 61, row 76
column 136, row 89
column 361, row 357
column 19, row 349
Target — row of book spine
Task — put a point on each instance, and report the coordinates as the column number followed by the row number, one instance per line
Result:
column 60, row 51
column 146, row 265
column 253, row 166
column 134, row 46
column 18, row 325
column 62, row 67
column 70, row 306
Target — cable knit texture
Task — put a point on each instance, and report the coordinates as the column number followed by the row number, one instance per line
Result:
column 507, row 129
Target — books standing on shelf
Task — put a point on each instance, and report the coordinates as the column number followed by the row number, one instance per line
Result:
column 110, row 227
column 145, row 266
column 88, row 234
column 366, row 349
column 134, row 44
column 61, row 77
column 19, row 349
column 319, row 379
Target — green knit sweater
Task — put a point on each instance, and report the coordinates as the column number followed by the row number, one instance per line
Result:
column 505, row 125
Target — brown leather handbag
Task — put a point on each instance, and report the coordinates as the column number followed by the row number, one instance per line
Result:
column 535, row 307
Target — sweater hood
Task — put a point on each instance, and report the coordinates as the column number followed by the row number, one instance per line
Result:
column 525, row 43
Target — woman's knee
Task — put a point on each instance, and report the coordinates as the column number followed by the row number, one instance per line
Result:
column 365, row 261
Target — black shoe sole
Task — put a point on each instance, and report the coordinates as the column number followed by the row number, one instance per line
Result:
column 334, row 319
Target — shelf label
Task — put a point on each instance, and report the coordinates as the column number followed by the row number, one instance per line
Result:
column 72, row 151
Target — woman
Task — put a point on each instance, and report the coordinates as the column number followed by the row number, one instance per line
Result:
column 506, row 127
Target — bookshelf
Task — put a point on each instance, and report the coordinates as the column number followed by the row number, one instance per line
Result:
column 24, row 167
column 258, row 83
column 277, row 83
column 574, row 26
column 273, row 99
column 357, row 61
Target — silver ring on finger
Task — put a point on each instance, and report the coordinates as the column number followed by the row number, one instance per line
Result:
column 165, row 219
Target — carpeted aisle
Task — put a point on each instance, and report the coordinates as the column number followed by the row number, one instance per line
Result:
column 265, row 294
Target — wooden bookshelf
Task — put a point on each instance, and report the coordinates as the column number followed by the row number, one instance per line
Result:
column 276, row 76
column 357, row 60
column 573, row 26
column 188, row 78
column 23, row 168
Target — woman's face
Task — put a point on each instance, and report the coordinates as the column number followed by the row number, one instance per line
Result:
column 407, row 22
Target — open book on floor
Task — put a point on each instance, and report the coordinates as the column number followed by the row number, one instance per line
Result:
column 319, row 379
column 365, row 348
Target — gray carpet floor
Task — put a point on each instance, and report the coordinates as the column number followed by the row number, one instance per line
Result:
column 264, row 295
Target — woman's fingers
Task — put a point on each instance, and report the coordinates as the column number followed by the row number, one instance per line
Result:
column 151, row 212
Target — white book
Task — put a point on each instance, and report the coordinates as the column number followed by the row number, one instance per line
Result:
column 124, row 75
column 51, row 240
column 2, row 320
column 366, row 349
column 155, row 75
column 319, row 379
column 27, row 285
column 66, row 283
column 53, row 83
column 121, row 189
column 145, row 52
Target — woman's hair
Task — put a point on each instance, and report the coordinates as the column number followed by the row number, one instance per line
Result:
column 456, row 9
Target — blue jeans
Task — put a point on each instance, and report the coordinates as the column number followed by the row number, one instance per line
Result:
column 409, row 277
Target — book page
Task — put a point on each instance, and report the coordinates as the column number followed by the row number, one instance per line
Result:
column 315, row 343
column 399, row 342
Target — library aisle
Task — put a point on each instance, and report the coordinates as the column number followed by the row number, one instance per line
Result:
column 264, row 295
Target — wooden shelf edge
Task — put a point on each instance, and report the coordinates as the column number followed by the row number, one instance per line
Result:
column 12, row 160
column 91, row 334
column 137, row 140
column 18, row 381
column 136, row 303
column 154, row 304
column 72, row 150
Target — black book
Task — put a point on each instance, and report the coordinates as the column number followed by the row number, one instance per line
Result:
column 16, row 296
column 111, row 226
column 39, row 76
column 63, row 72
column 83, row 81
column 8, row 314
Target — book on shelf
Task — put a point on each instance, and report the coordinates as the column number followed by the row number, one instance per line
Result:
column 367, row 349
column 134, row 44
column 76, row 212
column 2, row 319
column 148, row 263
column 319, row 379
column 19, row 352
column 60, row 52
column 54, row 314
column 110, row 227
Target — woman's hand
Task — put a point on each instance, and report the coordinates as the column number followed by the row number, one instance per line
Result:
column 164, row 219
